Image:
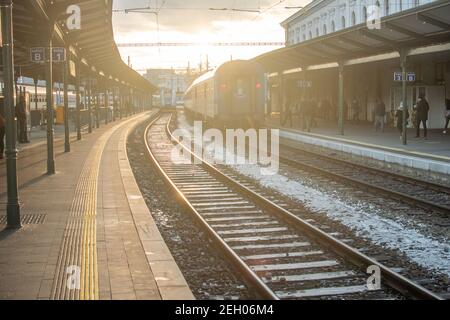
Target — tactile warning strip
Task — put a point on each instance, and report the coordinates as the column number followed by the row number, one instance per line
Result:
column 76, row 274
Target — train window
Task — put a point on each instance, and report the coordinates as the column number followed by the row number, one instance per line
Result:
column 241, row 87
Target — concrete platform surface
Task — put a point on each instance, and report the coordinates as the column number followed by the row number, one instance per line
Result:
column 87, row 232
column 360, row 139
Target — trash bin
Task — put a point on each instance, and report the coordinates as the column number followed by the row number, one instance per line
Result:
column 59, row 115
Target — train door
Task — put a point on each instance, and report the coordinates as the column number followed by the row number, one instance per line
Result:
column 242, row 96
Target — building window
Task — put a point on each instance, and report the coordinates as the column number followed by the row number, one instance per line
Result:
column 400, row 5
column 353, row 18
column 416, row 3
column 324, row 31
column 304, row 37
column 310, row 35
column 317, row 32
column 364, row 14
column 333, row 26
column 386, row 7
column 343, row 22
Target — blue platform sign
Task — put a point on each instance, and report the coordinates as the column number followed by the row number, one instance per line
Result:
column 410, row 76
column 37, row 55
column 59, row 54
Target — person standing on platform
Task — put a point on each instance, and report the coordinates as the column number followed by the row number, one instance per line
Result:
column 447, row 114
column 380, row 113
column 422, row 115
column 288, row 114
column 356, row 109
column 22, row 120
column 399, row 116
column 2, row 136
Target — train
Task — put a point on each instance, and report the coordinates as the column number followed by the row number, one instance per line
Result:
column 232, row 95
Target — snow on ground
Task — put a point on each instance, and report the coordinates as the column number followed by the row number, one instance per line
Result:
column 364, row 221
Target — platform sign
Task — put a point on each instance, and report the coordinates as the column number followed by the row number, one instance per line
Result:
column 59, row 54
column 410, row 76
column 37, row 55
column 304, row 84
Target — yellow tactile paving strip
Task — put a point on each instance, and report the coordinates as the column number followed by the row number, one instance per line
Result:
column 77, row 259
column 79, row 248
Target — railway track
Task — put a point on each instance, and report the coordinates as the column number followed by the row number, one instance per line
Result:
column 427, row 195
column 279, row 254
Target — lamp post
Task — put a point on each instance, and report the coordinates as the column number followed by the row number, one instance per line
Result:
column 13, row 206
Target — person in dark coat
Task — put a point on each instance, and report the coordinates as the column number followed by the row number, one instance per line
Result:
column 399, row 116
column 422, row 109
column 447, row 114
column 22, row 120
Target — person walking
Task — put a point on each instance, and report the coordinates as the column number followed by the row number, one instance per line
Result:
column 447, row 114
column 2, row 136
column 422, row 116
column 399, row 116
column 22, row 120
column 380, row 113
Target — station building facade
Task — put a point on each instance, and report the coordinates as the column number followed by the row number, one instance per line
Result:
column 326, row 26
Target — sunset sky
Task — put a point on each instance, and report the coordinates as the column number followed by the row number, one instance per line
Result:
column 192, row 21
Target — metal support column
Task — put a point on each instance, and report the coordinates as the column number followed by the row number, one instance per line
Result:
column 114, row 104
column 97, row 108
column 88, row 93
column 341, row 98
column 35, row 80
column 77, row 98
column 50, row 110
column 281, row 95
column 403, row 61
column 66, row 108
column 106, row 105
column 13, row 206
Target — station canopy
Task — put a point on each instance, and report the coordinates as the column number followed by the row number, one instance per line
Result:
column 426, row 25
column 93, row 45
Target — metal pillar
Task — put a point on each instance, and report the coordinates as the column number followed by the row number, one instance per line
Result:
column 50, row 110
column 106, row 105
column 13, row 206
column 114, row 103
column 403, row 61
column 88, row 92
column 35, row 80
column 281, row 95
column 77, row 99
column 66, row 108
column 119, row 89
column 97, row 109
column 341, row 98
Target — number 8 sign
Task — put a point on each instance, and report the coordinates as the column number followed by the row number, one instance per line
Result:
column 37, row 55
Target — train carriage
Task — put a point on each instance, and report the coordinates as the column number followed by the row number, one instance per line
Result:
column 232, row 95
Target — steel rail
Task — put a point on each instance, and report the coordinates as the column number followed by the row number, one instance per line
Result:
column 256, row 282
column 411, row 180
column 424, row 204
column 390, row 277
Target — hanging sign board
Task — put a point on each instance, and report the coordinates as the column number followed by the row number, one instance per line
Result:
column 37, row 55
column 59, row 54
column 410, row 76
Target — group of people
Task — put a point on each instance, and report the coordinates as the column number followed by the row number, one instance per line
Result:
column 421, row 111
column 308, row 110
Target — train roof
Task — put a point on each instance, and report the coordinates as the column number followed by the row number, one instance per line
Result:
column 230, row 64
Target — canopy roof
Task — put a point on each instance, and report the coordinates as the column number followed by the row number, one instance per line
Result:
column 93, row 45
column 417, row 27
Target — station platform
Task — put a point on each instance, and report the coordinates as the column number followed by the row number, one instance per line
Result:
column 87, row 232
column 432, row 155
